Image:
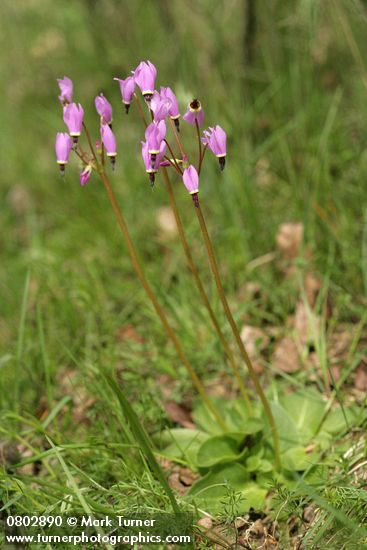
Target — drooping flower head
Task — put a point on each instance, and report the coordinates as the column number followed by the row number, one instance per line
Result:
column 104, row 109
column 109, row 142
column 66, row 90
column 216, row 140
column 155, row 134
column 174, row 111
column 194, row 113
column 145, row 75
column 160, row 106
column 191, row 180
column 73, row 118
column 127, row 89
column 85, row 174
column 152, row 168
column 63, row 146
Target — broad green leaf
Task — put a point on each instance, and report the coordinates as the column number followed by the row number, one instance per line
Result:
column 337, row 421
column 210, row 491
column 305, row 409
column 203, row 418
column 296, row 460
column 184, row 443
column 218, row 449
column 253, row 463
column 287, row 430
column 236, row 422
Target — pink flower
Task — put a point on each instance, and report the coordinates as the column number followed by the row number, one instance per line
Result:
column 104, row 109
column 127, row 88
column 194, row 113
column 66, row 89
column 155, row 134
column 63, row 147
column 152, row 167
column 109, row 142
column 85, row 174
column 191, row 180
column 73, row 118
column 145, row 75
column 216, row 140
column 160, row 106
column 174, row 111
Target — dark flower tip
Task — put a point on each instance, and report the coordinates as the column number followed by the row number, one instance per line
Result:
column 222, row 163
column 113, row 162
column 127, row 107
column 152, row 179
column 195, row 105
column 62, row 169
column 195, row 198
column 177, row 124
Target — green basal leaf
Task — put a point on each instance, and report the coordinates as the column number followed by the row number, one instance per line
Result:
column 253, row 463
column 306, row 409
column 296, row 460
column 219, row 449
column 287, row 429
column 203, row 418
column 337, row 421
column 184, row 444
column 210, row 491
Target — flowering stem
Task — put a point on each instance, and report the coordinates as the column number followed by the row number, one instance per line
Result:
column 141, row 112
column 201, row 289
column 90, row 144
column 202, row 158
column 253, row 375
column 199, row 142
column 173, row 158
column 162, row 316
column 177, row 138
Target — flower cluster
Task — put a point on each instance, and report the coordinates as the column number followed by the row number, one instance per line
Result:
column 162, row 107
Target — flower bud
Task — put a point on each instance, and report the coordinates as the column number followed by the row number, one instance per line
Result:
column 216, row 140
column 66, row 89
column 145, row 75
column 73, row 118
column 104, row 109
column 109, row 142
column 127, row 88
column 63, row 147
column 85, row 174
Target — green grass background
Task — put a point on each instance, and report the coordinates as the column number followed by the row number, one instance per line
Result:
column 292, row 97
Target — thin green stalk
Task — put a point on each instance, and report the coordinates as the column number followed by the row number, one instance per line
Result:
column 253, row 375
column 143, row 439
column 199, row 143
column 201, row 289
column 162, row 316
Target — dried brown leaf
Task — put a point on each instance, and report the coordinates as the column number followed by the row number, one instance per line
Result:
column 179, row 414
column 255, row 341
column 285, row 356
column 166, row 223
column 360, row 377
column 289, row 239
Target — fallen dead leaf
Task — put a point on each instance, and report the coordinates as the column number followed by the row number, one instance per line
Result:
column 128, row 332
column 307, row 325
column 289, row 239
column 312, row 288
column 360, row 377
column 255, row 340
column 179, row 413
column 179, row 477
column 166, row 222
column 285, row 356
